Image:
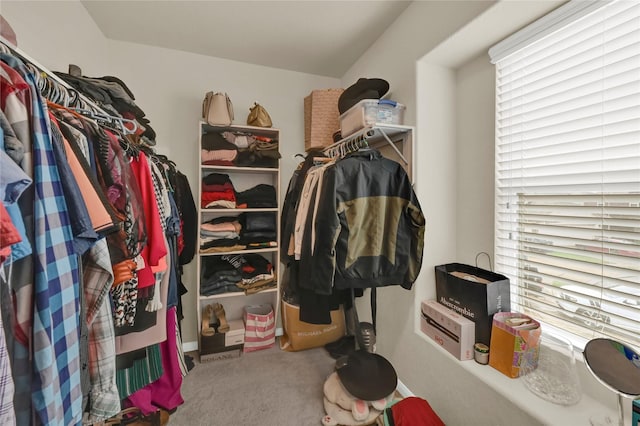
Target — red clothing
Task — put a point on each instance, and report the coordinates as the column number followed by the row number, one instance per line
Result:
column 155, row 249
column 8, row 234
column 208, row 197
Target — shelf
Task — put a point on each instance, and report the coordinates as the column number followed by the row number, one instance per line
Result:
column 243, row 178
column 251, row 210
column 236, row 294
column 383, row 137
column 259, row 131
column 241, row 169
column 221, row 253
column 374, row 136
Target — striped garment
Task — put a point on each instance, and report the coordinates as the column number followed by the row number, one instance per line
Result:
column 7, row 413
column 57, row 394
column 97, row 279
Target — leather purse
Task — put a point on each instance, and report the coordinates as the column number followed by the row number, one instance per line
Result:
column 217, row 109
column 258, row 116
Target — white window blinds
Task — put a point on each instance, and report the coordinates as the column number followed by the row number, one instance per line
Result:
column 568, row 174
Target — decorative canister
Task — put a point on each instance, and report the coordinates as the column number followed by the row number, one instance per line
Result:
column 481, row 353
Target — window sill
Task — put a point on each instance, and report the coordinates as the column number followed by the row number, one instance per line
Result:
column 515, row 391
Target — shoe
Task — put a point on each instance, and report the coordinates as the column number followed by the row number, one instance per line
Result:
column 207, row 314
column 218, row 311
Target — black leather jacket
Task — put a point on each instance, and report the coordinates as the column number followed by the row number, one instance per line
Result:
column 369, row 227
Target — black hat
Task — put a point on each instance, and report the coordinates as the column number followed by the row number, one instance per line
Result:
column 364, row 88
column 368, row 376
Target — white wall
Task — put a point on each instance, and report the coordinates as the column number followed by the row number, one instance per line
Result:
column 58, row 33
column 452, row 107
column 447, row 84
column 475, row 91
column 169, row 86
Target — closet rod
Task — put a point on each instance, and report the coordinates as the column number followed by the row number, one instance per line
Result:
column 363, row 135
column 49, row 74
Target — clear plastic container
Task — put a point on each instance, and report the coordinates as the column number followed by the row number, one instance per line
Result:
column 555, row 378
column 368, row 112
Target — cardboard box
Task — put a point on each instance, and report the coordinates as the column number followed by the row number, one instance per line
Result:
column 474, row 293
column 222, row 342
column 453, row 332
column 511, row 342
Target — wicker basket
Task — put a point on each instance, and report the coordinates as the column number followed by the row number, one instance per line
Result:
column 321, row 118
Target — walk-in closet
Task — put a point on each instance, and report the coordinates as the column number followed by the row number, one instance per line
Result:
column 237, row 212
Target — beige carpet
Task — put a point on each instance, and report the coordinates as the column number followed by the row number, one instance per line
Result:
column 267, row 388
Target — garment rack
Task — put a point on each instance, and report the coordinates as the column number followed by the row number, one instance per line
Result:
column 358, row 140
column 50, row 75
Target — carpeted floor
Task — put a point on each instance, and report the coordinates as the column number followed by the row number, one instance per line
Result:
column 267, row 388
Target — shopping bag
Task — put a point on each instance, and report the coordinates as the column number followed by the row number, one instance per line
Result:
column 299, row 335
column 514, row 337
column 260, row 327
column 475, row 293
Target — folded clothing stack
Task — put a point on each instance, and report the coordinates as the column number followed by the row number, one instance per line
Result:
column 217, row 191
column 215, row 150
column 220, row 234
column 262, row 152
column 220, row 274
column 258, row 229
column 259, row 196
column 236, row 272
column 257, row 274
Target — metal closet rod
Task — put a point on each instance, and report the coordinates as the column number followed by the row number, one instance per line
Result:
column 49, row 74
column 358, row 138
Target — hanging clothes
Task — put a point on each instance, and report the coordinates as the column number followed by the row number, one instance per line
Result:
column 56, row 392
column 358, row 224
column 88, row 216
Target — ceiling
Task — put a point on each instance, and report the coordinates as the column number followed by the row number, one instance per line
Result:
column 315, row 37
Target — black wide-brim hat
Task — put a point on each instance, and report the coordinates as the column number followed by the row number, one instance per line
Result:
column 364, row 88
column 368, row 376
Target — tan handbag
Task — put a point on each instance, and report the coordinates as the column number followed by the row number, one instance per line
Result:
column 258, row 116
column 217, row 109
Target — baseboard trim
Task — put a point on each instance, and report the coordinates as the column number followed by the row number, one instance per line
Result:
column 403, row 390
column 193, row 346
column 189, row 346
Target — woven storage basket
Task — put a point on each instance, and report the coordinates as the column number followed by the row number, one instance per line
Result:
column 321, row 118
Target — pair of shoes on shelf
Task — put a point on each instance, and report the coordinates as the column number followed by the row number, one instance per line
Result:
column 207, row 315
column 216, row 313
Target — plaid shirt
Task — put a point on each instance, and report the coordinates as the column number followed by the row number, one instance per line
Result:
column 97, row 278
column 57, row 395
column 7, row 413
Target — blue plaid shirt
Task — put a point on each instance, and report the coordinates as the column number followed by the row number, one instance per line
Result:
column 57, row 395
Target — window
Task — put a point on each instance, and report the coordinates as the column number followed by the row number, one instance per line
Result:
column 568, row 169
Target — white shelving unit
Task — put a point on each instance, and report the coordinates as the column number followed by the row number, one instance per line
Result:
column 242, row 178
column 394, row 141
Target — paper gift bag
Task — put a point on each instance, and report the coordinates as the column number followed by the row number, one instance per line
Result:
column 260, row 327
column 513, row 337
column 474, row 293
column 299, row 335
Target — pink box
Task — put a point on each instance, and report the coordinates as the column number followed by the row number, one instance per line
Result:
column 450, row 330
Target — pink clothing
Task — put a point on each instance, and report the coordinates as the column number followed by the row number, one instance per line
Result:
column 221, row 227
column 155, row 248
column 164, row 392
column 218, row 154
